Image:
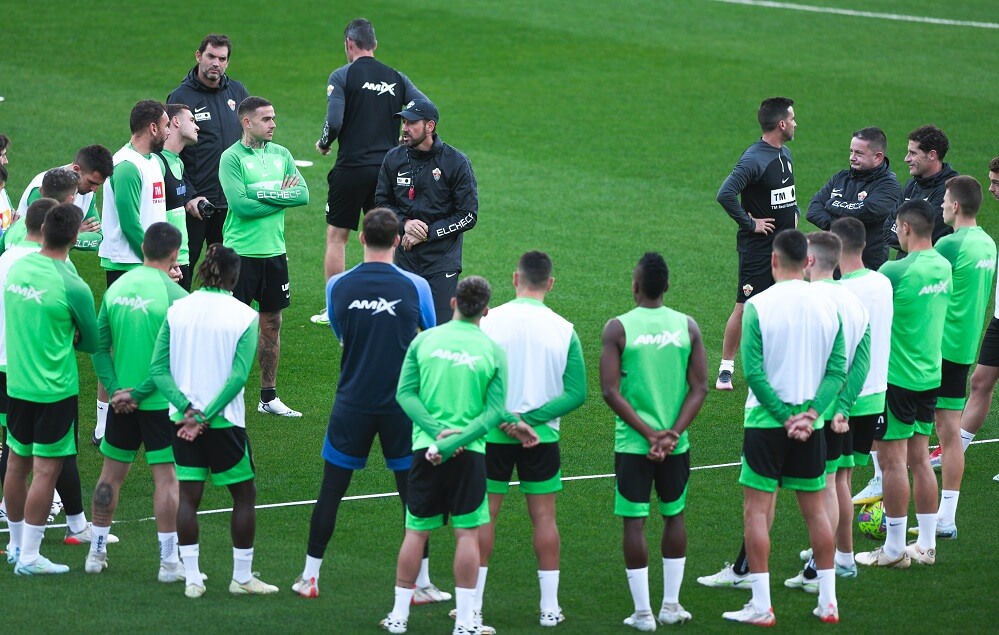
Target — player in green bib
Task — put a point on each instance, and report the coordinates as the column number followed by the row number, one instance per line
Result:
column 452, row 385
column 654, row 377
column 972, row 255
column 921, row 284
column 43, row 381
column 260, row 182
column 132, row 312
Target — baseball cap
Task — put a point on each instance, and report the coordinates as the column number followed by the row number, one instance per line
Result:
column 419, row 109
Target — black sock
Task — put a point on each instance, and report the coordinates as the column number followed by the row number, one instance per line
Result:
column 810, row 572
column 741, row 566
column 268, row 394
column 331, row 491
column 68, row 486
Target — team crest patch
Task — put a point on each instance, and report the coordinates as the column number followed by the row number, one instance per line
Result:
column 437, row 174
column 747, row 290
column 232, row 105
column 861, row 196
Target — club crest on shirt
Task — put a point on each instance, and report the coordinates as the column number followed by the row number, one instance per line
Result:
column 437, row 174
column 747, row 290
column 862, row 196
column 329, row 90
column 232, row 104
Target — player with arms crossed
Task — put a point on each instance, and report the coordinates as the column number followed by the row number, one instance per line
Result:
column 653, row 374
column 201, row 362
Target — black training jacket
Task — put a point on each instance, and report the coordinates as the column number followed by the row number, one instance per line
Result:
column 929, row 189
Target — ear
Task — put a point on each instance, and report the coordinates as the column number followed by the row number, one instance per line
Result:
column 454, row 303
column 360, row 237
column 551, row 283
column 516, row 278
column 398, row 239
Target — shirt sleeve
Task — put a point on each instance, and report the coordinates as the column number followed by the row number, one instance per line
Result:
column 752, row 364
column 408, row 395
column 126, row 182
column 832, row 382
column 410, row 91
column 159, row 369
column 856, row 376
column 81, row 307
column 493, row 413
column 240, row 203
column 384, row 195
column 290, row 196
column 817, row 213
column 90, row 241
column 745, row 172
column 574, row 389
column 464, row 192
column 148, row 386
column 335, row 102
column 246, row 351
column 103, row 362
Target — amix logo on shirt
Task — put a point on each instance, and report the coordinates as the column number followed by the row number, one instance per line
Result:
column 137, row 303
column 379, row 306
column 28, row 293
column 458, row 358
column 666, row 338
column 935, row 289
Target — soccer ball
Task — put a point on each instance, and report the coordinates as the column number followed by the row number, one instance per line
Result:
column 871, row 521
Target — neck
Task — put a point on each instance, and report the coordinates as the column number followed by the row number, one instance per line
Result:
column 822, row 275
column 141, row 143
column 774, row 138
column 379, row 255
column 160, row 265
column 964, row 221
column 359, row 53
column 932, row 173
column 850, row 263
column 782, row 274
column 649, row 303
column 61, row 253
column 250, row 142
column 533, row 294
column 917, row 243
column 34, row 237
column 174, row 146
column 209, row 83
column 458, row 317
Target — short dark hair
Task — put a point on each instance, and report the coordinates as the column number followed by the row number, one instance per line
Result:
column 875, row 138
column 61, row 225
column 967, row 192
column 851, row 232
column 161, row 240
column 145, row 112
column 4, row 141
column 250, row 104
column 4, row 174
column 920, row 215
column 217, row 40
column 791, row 247
column 172, row 110
column 60, row 184
column 535, row 269
column 994, row 164
column 473, row 296
column 362, row 33
column 929, row 137
column 220, row 268
column 772, row 111
column 652, row 275
column 95, row 158
column 380, row 228
column 826, row 247
column 34, row 216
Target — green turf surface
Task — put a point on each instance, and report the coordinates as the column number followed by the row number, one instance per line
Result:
column 597, row 131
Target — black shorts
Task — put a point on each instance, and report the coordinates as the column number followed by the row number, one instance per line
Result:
column 864, row 429
column 264, row 280
column 151, row 429
column 350, row 434
column 909, row 411
column 224, row 454
column 755, row 275
column 3, row 398
column 455, row 488
column 837, row 445
column 953, row 380
column 47, row 430
column 989, row 355
column 538, row 468
column 443, row 286
column 635, row 475
column 770, row 458
column 111, row 275
column 350, row 191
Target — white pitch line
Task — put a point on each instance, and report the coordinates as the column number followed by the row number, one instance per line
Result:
column 586, row 477
column 863, row 14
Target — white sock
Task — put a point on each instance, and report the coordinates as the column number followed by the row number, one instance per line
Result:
column 844, row 559
column 927, row 531
column 312, row 568
column 55, row 497
column 189, row 555
column 948, row 506
column 727, row 364
column 638, row 582
column 895, row 539
column 242, row 564
column 16, row 533
column 31, row 542
column 827, row 587
column 100, row 542
column 966, row 439
column 877, row 465
column 423, row 577
column 102, row 419
column 761, row 591
column 549, row 590
column 480, row 588
column 403, row 598
column 168, row 546
column 672, row 577
column 3, row 505
column 464, row 601
column 76, row 522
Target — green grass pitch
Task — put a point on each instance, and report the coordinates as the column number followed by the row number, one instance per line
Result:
column 597, row 131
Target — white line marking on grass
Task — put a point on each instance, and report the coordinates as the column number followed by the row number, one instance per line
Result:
column 586, row 477
column 862, row 14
